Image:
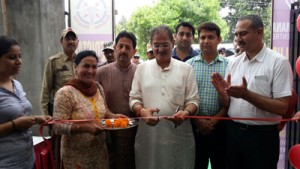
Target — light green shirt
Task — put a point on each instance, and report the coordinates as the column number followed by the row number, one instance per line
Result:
column 209, row 101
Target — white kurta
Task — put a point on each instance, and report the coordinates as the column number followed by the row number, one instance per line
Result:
column 163, row 146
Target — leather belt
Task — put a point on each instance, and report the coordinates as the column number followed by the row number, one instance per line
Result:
column 255, row 127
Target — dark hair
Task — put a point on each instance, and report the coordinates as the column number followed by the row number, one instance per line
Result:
column 186, row 24
column 129, row 35
column 161, row 29
column 256, row 21
column 84, row 54
column 6, row 43
column 209, row 26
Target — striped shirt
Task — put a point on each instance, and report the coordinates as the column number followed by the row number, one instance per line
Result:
column 209, row 101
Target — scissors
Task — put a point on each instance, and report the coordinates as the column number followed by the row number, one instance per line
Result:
column 177, row 109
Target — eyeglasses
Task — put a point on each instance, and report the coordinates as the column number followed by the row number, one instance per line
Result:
column 164, row 45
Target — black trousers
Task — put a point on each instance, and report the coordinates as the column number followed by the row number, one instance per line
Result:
column 252, row 146
column 211, row 147
column 121, row 150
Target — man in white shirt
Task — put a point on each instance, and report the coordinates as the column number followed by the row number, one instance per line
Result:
column 164, row 87
column 257, row 86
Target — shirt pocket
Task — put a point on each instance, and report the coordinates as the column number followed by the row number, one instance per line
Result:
column 64, row 76
column 177, row 95
column 262, row 85
column 64, row 73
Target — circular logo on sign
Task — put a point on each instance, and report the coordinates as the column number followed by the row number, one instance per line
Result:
column 92, row 13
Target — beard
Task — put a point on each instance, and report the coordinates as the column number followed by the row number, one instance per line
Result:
column 184, row 45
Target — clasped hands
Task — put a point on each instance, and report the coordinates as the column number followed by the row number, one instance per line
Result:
column 205, row 126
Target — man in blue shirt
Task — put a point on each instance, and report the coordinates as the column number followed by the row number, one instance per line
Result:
column 184, row 38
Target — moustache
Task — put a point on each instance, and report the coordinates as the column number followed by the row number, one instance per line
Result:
column 71, row 45
column 241, row 43
column 123, row 55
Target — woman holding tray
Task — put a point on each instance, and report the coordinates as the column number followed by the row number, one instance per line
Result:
column 83, row 143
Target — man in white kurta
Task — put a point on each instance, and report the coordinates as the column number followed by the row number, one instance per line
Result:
column 164, row 144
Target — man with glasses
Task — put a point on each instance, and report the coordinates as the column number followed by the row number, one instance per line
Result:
column 184, row 38
column 164, row 87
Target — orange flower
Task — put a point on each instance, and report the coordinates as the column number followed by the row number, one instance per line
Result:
column 117, row 123
column 108, row 123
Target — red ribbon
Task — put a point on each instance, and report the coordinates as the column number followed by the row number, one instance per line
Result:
column 59, row 122
column 240, row 118
column 190, row 117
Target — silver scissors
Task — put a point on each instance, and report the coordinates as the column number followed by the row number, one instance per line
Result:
column 177, row 109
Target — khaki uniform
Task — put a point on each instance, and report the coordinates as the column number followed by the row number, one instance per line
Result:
column 58, row 70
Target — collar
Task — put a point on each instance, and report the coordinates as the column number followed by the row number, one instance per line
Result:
column 66, row 57
column 217, row 58
column 190, row 55
column 166, row 68
column 260, row 57
column 121, row 69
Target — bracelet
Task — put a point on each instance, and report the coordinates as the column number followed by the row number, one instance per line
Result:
column 14, row 127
